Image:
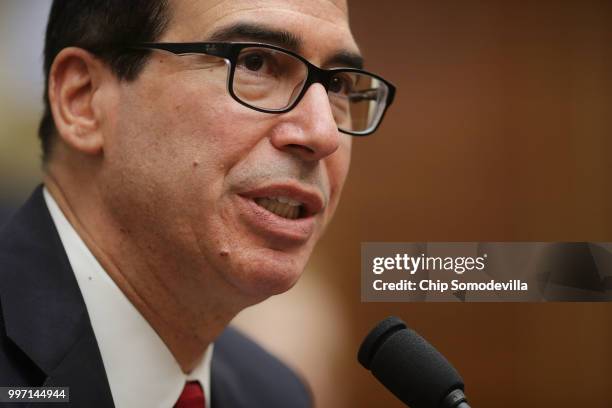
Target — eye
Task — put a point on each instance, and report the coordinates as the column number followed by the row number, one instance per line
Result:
column 259, row 62
column 341, row 84
column 253, row 62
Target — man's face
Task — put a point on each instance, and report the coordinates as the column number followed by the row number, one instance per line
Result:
column 194, row 174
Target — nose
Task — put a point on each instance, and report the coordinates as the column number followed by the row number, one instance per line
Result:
column 309, row 130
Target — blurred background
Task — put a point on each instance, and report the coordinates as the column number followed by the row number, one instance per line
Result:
column 501, row 131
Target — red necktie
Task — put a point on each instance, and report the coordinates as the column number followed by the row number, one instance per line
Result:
column 192, row 396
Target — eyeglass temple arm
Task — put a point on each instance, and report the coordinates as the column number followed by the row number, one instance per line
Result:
column 222, row 50
column 364, row 95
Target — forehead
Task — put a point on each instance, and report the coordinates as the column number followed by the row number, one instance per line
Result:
column 317, row 23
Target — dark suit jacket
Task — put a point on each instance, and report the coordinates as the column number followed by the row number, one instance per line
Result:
column 46, row 336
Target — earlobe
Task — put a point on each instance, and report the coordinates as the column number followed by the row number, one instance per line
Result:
column 74, row 80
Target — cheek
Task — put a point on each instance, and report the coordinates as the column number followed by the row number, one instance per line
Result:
column 173, row 129
column 337, row 166
column 340, row 162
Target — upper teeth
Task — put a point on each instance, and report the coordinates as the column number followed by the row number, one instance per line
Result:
column 281, row 206
column 286, row 200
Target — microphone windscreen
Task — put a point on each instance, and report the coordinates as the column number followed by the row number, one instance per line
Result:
column 408, row 365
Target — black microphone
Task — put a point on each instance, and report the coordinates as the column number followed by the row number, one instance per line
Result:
column 410, row 367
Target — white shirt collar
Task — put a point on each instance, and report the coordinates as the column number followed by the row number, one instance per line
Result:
column 140, row 369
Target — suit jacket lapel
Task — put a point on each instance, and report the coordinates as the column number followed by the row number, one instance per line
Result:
column 85, row 375
column 44, row 312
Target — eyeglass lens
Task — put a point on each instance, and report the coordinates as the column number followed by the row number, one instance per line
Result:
column 270, row 79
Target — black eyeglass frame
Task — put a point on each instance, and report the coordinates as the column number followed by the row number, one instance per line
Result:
column 229, row 51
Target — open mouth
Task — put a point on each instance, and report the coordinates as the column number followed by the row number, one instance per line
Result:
column 285, row 212
column 284, row 207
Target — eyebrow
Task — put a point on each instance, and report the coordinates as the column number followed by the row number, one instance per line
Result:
column 346, row 59
column 255, row 32
column 280, row 38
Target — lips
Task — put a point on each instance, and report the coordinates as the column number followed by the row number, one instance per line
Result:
column 282, row 211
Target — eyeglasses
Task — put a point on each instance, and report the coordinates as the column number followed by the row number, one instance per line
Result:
column 271, row 79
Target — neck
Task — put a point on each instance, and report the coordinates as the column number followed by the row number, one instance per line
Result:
column 187, row 307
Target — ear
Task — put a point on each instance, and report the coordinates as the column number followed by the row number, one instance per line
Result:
column 75, row 81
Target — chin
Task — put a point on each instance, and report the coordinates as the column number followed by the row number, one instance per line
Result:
column 264, row 272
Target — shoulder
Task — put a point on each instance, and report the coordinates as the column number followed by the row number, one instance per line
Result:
column 15, row 366
column 246, row 375
column 24, row 241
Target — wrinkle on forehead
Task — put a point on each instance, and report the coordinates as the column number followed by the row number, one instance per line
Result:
column 209, row 12
column 316, row 8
